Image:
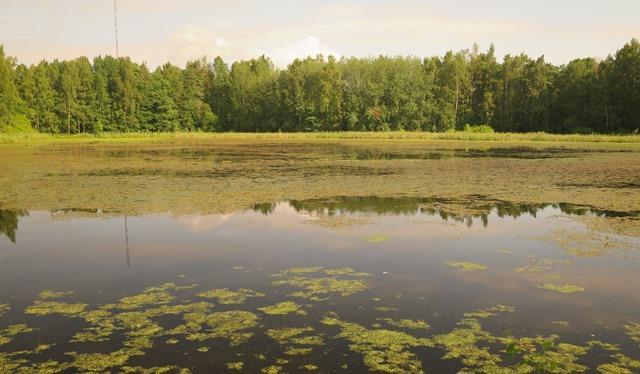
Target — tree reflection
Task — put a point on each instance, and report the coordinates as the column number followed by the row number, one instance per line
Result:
column 9, row 222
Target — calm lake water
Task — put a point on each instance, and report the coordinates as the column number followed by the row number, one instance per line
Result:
column 425, row 268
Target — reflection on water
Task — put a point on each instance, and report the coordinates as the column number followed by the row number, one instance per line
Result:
column 415, row 285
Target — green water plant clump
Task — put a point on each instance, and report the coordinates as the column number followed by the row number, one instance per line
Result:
column 44, row 308
column 561, row 288
column 4, row 308
column 48, row 294
column 406, row 323
column 490, row 312
column 7, row 335
column 226, row 296
column 315, row 283
column 383, row 350
column 283, row 308
column 296, row 340
column 466, row 266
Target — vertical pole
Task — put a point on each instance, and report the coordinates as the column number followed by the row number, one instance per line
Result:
column 115, row 23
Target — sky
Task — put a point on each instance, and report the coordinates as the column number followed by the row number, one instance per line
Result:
column 158, row 31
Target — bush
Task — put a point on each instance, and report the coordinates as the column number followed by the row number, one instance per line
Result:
column 484, row 129
column 17, row 123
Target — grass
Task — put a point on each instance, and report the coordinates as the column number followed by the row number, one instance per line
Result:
column 388, row 135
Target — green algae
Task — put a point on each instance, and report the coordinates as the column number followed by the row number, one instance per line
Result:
column 561, row 288
column 7, row 335
column 226, row 296
column 382, row 350
column 406, row 323
column 235, row 366
column 273, row 369
column 310, row 367
column 378, row 238
column 622, row 364
column 231, row 325
column 385, row 309
column 48, row 294
column 283, row 308
column 99, row 362
column 295, row 339
column 154, row 370
column 44, row 308
column 313, row 282
column 466, row 266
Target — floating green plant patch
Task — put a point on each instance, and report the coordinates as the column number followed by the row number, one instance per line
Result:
column 382, row 350
column 154, row 370
column 531, row 269
column 622, row 365
column 295, row 339
column 543, row 355
column 99, row 362
column 44, row 308
column 505, row 251
column 562, row 288
column 231, row 325
column 7, row 335
column 605, row 346
column 310, row 367
column 48, row 294
column 4, row 308
column 226, row 296
column 315, row 282
column 633, row 331
column 283, row 308
column 464, row 343
column 406, row 323
column 377, row 238
column 560, row 323
column 490, row 312
column 235, row 366
column 466, row 266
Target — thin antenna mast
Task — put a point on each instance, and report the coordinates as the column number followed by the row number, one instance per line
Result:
column 115, row 23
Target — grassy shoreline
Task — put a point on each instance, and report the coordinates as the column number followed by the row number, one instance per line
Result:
column 39, row 138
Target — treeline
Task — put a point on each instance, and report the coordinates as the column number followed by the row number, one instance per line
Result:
column 518, row 94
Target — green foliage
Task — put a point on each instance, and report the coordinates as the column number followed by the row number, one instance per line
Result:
column 469, row 87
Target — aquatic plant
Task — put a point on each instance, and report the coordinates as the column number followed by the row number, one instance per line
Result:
column 283, row 308
column 7, row 335
column 235, row 365
column 490, row 312
column 383, row 350
column 315, row 282
column 378, row 238
column 4, row 308
column 466, row 266
column 406, row 323
column 44, row 308
column 562, row 288
column 226, row 296
column 48, row 294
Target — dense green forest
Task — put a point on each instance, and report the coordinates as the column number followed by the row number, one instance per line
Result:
column 517, row 94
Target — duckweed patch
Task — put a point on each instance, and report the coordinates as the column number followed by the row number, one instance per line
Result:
column 44, row 308
column 466, row 266
column 4, row 308
column 283, row 308
column 226, row 296
column 406, row 323
column 235, row 366
column 561, row 288
column 7, row 335
column 633, row 331
column 48, row 294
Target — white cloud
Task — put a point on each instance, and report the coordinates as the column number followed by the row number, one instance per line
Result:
column 196, row 223
column 309, row 46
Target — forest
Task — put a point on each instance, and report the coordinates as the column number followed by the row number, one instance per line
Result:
column 460, row 89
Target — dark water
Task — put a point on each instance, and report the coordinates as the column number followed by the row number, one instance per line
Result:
column 404, row 246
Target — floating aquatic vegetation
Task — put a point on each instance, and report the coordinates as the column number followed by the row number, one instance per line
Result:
column 99, row 362
column 172, row 341
column 283, row 308
column 310, row 367
column 622, row 365
column 42, row 347
column 314, row 281
column 406, row 323
column 48, row 294
column 154, row 370
column 382, row 350
column 560, row 323
column 633, row 331
column 505, row 251
column 235, row 365
column 337, row 222
column 562, row 288
column 273, row 369
column 231, row 325
column 4, row 308
column 385, row 309
column 226, row 296
column 490, row 312
column 463, row 343
column 531, row 269
column 7, row 335
column 44, row 308
column 466, row 266
column 296, row 339
column 203, row 349
column 544, row 355
column 605, row 346
column 150, row 296
column 377, row 238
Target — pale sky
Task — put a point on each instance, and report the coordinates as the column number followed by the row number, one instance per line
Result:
column 157, row 31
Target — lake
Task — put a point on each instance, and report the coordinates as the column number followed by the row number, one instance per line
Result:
column 320, row 257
